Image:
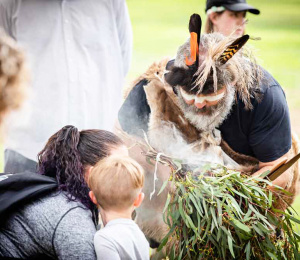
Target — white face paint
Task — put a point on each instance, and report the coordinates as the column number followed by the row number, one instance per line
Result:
column 201, row 99
column 219, row 112
column 187, row 96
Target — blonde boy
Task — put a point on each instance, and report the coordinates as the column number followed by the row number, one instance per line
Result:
column 116, row 187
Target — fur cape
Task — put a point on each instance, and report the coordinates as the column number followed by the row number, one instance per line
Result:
column 165, row 109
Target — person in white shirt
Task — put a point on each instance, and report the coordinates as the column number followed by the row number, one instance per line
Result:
column 121, row 238
column 79, row 53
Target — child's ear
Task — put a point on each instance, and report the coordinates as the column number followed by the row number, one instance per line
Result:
column 139, row 199
column 93, row 197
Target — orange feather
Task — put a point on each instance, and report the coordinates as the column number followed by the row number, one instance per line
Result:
column 194, row 50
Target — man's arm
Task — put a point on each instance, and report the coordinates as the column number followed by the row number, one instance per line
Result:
column 270, row 135
column 284, row 178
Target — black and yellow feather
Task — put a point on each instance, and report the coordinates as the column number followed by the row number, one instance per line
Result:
column 233, row 48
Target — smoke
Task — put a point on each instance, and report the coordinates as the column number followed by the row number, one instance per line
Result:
column 167, row 139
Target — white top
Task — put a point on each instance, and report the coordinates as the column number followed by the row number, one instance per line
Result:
column 79, row 53
column 121, row 239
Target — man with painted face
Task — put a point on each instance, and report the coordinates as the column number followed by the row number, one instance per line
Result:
column 233, row 95
column 227, row 16
column 212, row 89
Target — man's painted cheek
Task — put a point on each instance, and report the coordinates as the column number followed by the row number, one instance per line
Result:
column 188, row 98
column 200, row 99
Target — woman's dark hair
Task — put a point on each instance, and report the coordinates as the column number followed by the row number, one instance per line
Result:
column 68, row 152
column 209, row 26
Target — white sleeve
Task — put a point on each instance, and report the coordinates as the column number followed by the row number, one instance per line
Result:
column 105, row 249
column 5, row 15
column 124, row 32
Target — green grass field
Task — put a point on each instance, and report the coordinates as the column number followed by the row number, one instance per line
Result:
column 161, row 26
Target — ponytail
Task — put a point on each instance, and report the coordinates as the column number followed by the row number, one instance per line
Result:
column 60, row 159
column 69, row 151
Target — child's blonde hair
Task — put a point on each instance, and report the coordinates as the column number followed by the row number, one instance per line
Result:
column 14, row 75
column 116, row 182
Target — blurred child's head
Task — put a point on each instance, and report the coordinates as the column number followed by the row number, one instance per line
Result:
column 116, row 183
column 14, row 75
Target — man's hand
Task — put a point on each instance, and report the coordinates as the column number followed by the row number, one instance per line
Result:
column 283, row 179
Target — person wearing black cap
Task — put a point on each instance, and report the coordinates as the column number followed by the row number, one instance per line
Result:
column 227, row 16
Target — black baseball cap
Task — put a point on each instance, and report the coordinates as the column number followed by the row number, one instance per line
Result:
column 232, row 5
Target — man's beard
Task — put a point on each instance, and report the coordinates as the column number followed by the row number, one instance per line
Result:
column 208, row 118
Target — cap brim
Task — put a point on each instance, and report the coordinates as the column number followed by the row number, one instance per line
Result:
column 242, row 7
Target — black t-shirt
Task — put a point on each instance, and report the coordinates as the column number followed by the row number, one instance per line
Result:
column 263, row 132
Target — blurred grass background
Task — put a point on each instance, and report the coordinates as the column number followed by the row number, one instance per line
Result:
column 161, row 26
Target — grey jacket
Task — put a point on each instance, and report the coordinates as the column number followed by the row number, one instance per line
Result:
column 51, row 226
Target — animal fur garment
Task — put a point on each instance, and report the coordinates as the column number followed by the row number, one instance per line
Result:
column 167, row 118
column 180, row 136
column 170, row 131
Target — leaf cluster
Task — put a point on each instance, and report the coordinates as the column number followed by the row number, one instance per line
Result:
column 216, row 213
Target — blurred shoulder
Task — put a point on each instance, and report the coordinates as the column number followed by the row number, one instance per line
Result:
column 9, row 3
column 268, row 81
column 118, row 5
column 53, row 206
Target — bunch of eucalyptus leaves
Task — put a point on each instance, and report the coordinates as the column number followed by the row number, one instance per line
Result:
column 216, row 213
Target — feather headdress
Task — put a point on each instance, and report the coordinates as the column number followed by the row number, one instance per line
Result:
column 207, row 62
